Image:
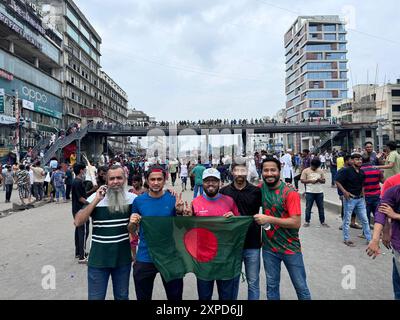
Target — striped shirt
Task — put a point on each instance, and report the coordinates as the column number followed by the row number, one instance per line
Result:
column 372, row 180
column 110, row 238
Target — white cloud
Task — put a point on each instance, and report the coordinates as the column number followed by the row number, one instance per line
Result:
column 181, row 59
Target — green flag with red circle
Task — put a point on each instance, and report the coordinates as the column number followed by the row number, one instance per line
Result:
column 210, row 247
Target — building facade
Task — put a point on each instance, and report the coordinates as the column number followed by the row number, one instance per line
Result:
column 316, row 70
column 30, row 76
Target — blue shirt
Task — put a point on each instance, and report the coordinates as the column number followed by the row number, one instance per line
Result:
column 147, row 206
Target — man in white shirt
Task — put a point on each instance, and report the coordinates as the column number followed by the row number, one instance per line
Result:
column 287, row 166
column 322, row 158
column 313, row 177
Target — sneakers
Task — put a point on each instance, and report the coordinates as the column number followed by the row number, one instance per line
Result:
column 307, row 224
column 349, row 243
column 82, row 260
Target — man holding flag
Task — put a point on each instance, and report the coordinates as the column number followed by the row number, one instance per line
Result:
column 214, row 204
column 282, row 211
column 156, row 203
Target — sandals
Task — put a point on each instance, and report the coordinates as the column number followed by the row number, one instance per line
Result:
column 349, row 243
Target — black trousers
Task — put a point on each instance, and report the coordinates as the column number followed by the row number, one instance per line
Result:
column 173, row 178
column 144, row 274
column 68, row 191
column 81, row 236
column 9, row 188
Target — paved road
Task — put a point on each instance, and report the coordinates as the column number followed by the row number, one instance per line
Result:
column 32, row 239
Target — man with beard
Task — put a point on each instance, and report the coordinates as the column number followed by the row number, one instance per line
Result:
column 214, row 204
column 155, row 202
column 281, row 210
column 247, row 197
column 110, row 253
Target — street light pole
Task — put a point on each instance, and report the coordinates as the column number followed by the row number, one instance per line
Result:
column 18, row 128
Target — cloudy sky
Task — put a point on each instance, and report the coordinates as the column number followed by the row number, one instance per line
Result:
column 187, row 59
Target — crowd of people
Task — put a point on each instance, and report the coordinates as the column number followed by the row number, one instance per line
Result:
column 117, row 192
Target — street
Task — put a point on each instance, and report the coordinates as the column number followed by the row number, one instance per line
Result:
column 37, row 238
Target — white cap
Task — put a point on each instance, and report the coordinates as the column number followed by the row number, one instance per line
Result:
column 211, row 172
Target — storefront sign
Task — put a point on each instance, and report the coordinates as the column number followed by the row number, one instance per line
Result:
column 24, row 14
column 4, row 74
column 19, row 30
column 28, row 105
column 7, row 119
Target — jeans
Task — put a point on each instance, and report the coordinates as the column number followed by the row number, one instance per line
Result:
column 197, row 188
column 38, row 190
column 333, row 174
column 294, row 265
column 251, row 259
column 144, row 274
column 371, row 204
column 98, row 282
column 358, row 205
column 9, row 189
column 227, row 289
column 60, row 190
column 396, row 280
column 319, row 199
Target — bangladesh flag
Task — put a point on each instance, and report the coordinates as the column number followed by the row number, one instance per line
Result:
column 210, row 247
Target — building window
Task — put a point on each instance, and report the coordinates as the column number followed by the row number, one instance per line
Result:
column 342, row 65
column 330, row 36
column 316, row 103
column 396, row 108
column 343, row 75
column 330, row 27
column 335, row 56
column 342, row 37
column 336, row 84
column 395, row 93
column 313, row 28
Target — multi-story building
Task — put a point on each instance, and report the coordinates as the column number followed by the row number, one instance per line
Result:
column 30, row 68
column 81, row 60
column 316, row 70
column 113, row 103
column 137, row 116
column 372, row 103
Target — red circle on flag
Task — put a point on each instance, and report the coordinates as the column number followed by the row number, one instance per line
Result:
column 201, row 244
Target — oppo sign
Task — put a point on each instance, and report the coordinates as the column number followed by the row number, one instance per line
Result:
column 34, row 95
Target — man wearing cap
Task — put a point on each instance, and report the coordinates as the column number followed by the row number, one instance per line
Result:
column 214, row 204
column 158, row 203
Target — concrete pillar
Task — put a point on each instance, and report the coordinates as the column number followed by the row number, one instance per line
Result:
column 11, row 47
column 362, row 137
column 36, row 62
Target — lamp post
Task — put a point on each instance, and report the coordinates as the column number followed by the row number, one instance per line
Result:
column 18, row 128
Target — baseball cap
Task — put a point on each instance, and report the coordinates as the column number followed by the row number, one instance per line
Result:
column 211, row 172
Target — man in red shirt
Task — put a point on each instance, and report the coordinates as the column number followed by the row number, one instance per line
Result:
column 282, row 214
column 214, row 204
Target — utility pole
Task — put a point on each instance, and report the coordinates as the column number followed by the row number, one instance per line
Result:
column 18, row 128
column 380, row 136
